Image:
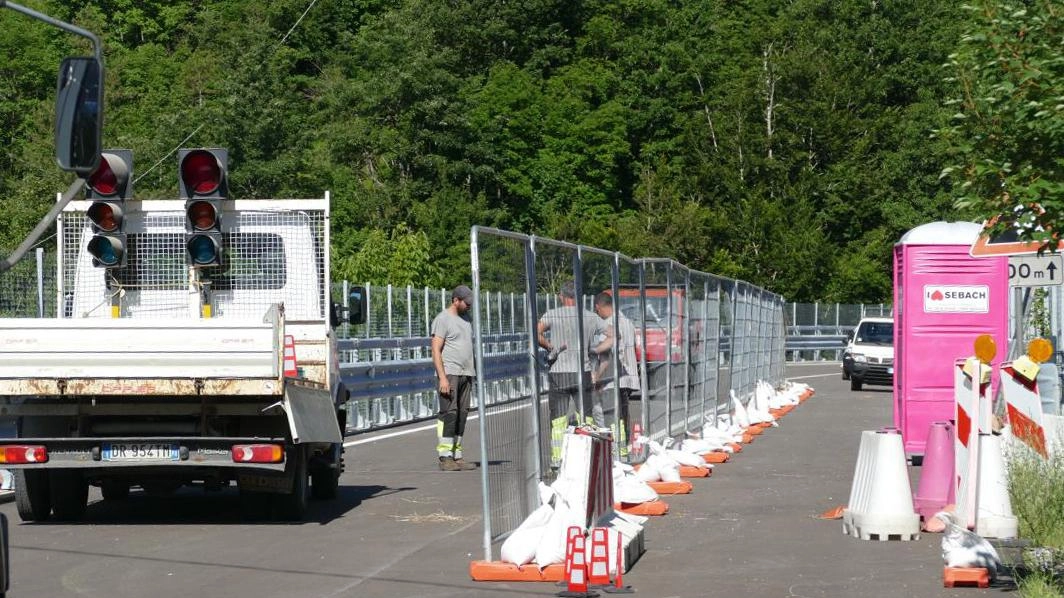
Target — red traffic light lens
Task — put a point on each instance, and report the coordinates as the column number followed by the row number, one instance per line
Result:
column 200, row 172
column 202, row 215
column 104, row 216
column 103, row 180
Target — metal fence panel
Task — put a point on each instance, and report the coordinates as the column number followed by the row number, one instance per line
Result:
column 697, row 338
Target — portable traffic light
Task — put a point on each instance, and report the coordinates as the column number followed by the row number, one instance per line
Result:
column 109, row 186
column 204, row 173
column 203, row 227
column 203, row 186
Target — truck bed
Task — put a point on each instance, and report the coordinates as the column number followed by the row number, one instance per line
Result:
column 145, row 356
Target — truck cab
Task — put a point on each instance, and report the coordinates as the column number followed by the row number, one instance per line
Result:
column 871, row 352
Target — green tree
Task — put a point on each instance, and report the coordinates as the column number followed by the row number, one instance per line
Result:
column 1007, row 133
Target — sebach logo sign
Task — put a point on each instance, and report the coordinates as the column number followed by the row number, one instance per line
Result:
column 968, row 299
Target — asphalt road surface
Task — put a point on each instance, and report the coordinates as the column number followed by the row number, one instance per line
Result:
column 403, row 528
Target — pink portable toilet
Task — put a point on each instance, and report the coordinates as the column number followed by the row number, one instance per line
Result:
column 943, row 300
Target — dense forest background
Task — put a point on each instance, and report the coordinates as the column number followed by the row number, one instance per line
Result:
column 786, row 143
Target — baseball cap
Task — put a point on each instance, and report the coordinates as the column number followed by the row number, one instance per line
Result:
column 462, row 292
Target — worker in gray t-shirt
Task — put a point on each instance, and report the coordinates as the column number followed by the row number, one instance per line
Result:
column 558, row 333
column 452, row 356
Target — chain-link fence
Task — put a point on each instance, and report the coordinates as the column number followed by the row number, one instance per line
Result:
column 608, row 340
column 27, row 290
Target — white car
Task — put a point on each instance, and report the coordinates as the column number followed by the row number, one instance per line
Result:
column 872, row 351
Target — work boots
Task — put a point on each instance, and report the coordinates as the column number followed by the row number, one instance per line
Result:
column 463, row 465
column 449, row 464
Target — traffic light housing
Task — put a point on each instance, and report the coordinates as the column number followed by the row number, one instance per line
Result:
column 204, row 173
column 203, row 226
column 109, row 186
column 203, row 184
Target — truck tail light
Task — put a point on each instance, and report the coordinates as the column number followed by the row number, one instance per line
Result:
column 258, row 453
column 23, row 453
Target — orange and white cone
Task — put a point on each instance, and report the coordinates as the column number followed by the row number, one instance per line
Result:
column 576, row 571
column 599, row 575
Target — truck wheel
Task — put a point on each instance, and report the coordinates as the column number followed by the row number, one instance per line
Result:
column 325, row 483
column 114, row 490
column 293, row 506
column 70, row 495
column 32, row 496
column 855, row 384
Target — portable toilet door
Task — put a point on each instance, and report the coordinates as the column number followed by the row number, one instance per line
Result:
column 943, row 300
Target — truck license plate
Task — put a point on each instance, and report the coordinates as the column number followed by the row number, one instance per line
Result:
column 140, row 451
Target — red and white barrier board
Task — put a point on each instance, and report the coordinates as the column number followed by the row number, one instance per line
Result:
column 972, row 416
column 1023, row 405
column 587, row 471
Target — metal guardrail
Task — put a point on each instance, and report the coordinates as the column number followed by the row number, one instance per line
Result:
column 815, row 343
column 392, row 377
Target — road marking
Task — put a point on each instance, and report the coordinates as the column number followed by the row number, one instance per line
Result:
column 814, row 376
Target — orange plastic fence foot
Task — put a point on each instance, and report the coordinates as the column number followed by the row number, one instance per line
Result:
column 690, row 471
column 715, row 457
column 965, row 576
column 671, row 487
column 652, row 508
column 500, row 571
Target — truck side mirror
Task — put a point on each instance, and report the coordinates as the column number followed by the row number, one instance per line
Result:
column 78, row 115
column 357, row 306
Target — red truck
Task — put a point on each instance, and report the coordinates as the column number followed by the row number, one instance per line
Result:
column 657, row 321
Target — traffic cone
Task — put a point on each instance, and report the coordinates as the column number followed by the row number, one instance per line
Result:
column 618, row 586
column 576, row 577
column 572, row 532
column 881, row 499
column 290, row 368
column 635, row 453
column 936, row 489
column 599, row 574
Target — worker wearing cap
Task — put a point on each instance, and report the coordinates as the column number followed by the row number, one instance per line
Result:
column 452, row 355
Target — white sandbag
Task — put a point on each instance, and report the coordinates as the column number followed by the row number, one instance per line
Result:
column 648, row 472
column 668, row 469
column 685, row 458
column 671, row 473
column 551, row 548
column 631, row 490
column 521, row 546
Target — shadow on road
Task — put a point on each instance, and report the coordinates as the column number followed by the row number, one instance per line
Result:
column 190, row 506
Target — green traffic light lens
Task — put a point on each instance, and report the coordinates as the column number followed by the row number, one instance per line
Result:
column 202, row 250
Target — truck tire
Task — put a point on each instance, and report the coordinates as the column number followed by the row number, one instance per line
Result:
column 70, row 495
column 114, row 489
column 855, row 384
column 293, row 505
column 325, row 483
column 32, row 495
